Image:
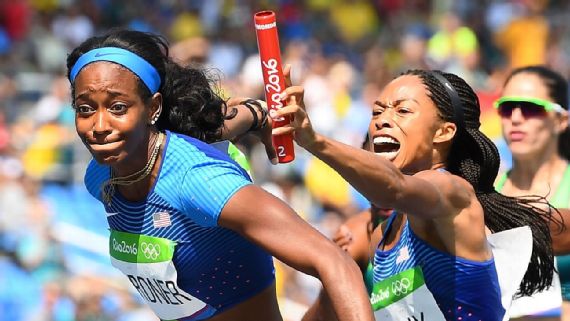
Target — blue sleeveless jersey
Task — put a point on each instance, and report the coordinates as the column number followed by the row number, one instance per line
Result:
column 463, row 289
column 214, row 264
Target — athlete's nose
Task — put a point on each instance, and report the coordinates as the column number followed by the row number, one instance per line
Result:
column 101, row 123
column 384, row 121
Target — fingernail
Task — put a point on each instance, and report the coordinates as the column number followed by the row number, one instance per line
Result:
column 282, row 96
column 274, row 161
column 273, row 114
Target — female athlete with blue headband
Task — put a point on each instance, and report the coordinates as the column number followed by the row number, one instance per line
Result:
column 188, row 228
column 430, row 163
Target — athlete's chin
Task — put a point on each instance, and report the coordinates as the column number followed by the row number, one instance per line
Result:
column 523, row 151
column 398, row 161
column 404, row 165
column 107, row 159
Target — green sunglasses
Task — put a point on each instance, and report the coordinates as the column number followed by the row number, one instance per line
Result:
column 530, row 107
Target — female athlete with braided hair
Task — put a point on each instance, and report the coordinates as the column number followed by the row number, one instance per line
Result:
column 431, row 164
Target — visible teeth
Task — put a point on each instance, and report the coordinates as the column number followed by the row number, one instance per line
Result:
column 384, row 139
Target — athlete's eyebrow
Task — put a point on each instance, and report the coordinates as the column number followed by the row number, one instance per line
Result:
column 395, row 103
column 381, row 104
column 113, row 93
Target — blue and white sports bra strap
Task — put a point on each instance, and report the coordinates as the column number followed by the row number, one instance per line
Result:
column 388, row 227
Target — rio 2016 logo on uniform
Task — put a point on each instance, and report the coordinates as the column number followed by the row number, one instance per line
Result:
column 123, row 247
column 401, row 286
column 151, row 251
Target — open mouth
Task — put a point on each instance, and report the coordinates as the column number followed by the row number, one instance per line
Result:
column 386, row 146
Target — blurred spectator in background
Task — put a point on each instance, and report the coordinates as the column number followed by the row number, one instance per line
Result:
column 72, row 26
column 524, row 39
column 534, row 119
column 414, row 48
column 452, row 42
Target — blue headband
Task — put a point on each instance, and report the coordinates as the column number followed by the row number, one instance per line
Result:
column 140, row 67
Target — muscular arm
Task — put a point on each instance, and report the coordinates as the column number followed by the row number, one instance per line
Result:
column 238, row 125
column 268, row 222
column 428, row 194
column 355, row 228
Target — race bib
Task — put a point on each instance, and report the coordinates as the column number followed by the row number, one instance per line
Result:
column 147, row 262
column 404, row 297
column 512, row 250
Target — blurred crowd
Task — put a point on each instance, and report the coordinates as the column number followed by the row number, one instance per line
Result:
column 53, row 248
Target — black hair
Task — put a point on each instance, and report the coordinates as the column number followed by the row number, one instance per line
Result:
column 474, row 157
column 557, row 87
column 190, row 103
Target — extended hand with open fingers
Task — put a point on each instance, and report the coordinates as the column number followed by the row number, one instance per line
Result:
column 300, row 125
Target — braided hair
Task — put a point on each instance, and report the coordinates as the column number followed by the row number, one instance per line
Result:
column 557, row 88
column 474, row 157
column 190, row 103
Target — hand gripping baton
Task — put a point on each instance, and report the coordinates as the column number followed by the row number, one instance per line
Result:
column 273, row 80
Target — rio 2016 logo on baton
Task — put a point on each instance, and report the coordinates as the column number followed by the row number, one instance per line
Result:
column 273, row 85
column 273, row 79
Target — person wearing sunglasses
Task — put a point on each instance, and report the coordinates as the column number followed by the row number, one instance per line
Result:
column 529, row 107
column 433, row 258
column 534, row 118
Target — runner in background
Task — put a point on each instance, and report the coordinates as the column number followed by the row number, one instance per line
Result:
column 534, row 117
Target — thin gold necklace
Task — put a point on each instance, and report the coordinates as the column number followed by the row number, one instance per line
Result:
column 108, row 188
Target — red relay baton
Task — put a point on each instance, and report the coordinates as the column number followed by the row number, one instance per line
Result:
column 273, row 80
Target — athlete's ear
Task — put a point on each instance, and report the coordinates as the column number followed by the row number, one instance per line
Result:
column 155, row 108
column 562, row 122
column 445, row 132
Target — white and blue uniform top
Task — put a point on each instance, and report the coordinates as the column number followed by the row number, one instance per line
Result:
column 464, row 290
column 215, row 266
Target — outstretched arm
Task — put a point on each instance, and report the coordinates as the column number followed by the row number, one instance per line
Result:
column 240, row 120
column 429, row 194
column 353, row 237
column 248, row 119
column 270, row 223
column 321, row 310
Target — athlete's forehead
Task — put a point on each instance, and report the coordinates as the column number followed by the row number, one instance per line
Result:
column 403, row 88
column 408, row 91
column 527, row 84
column 105, row 76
